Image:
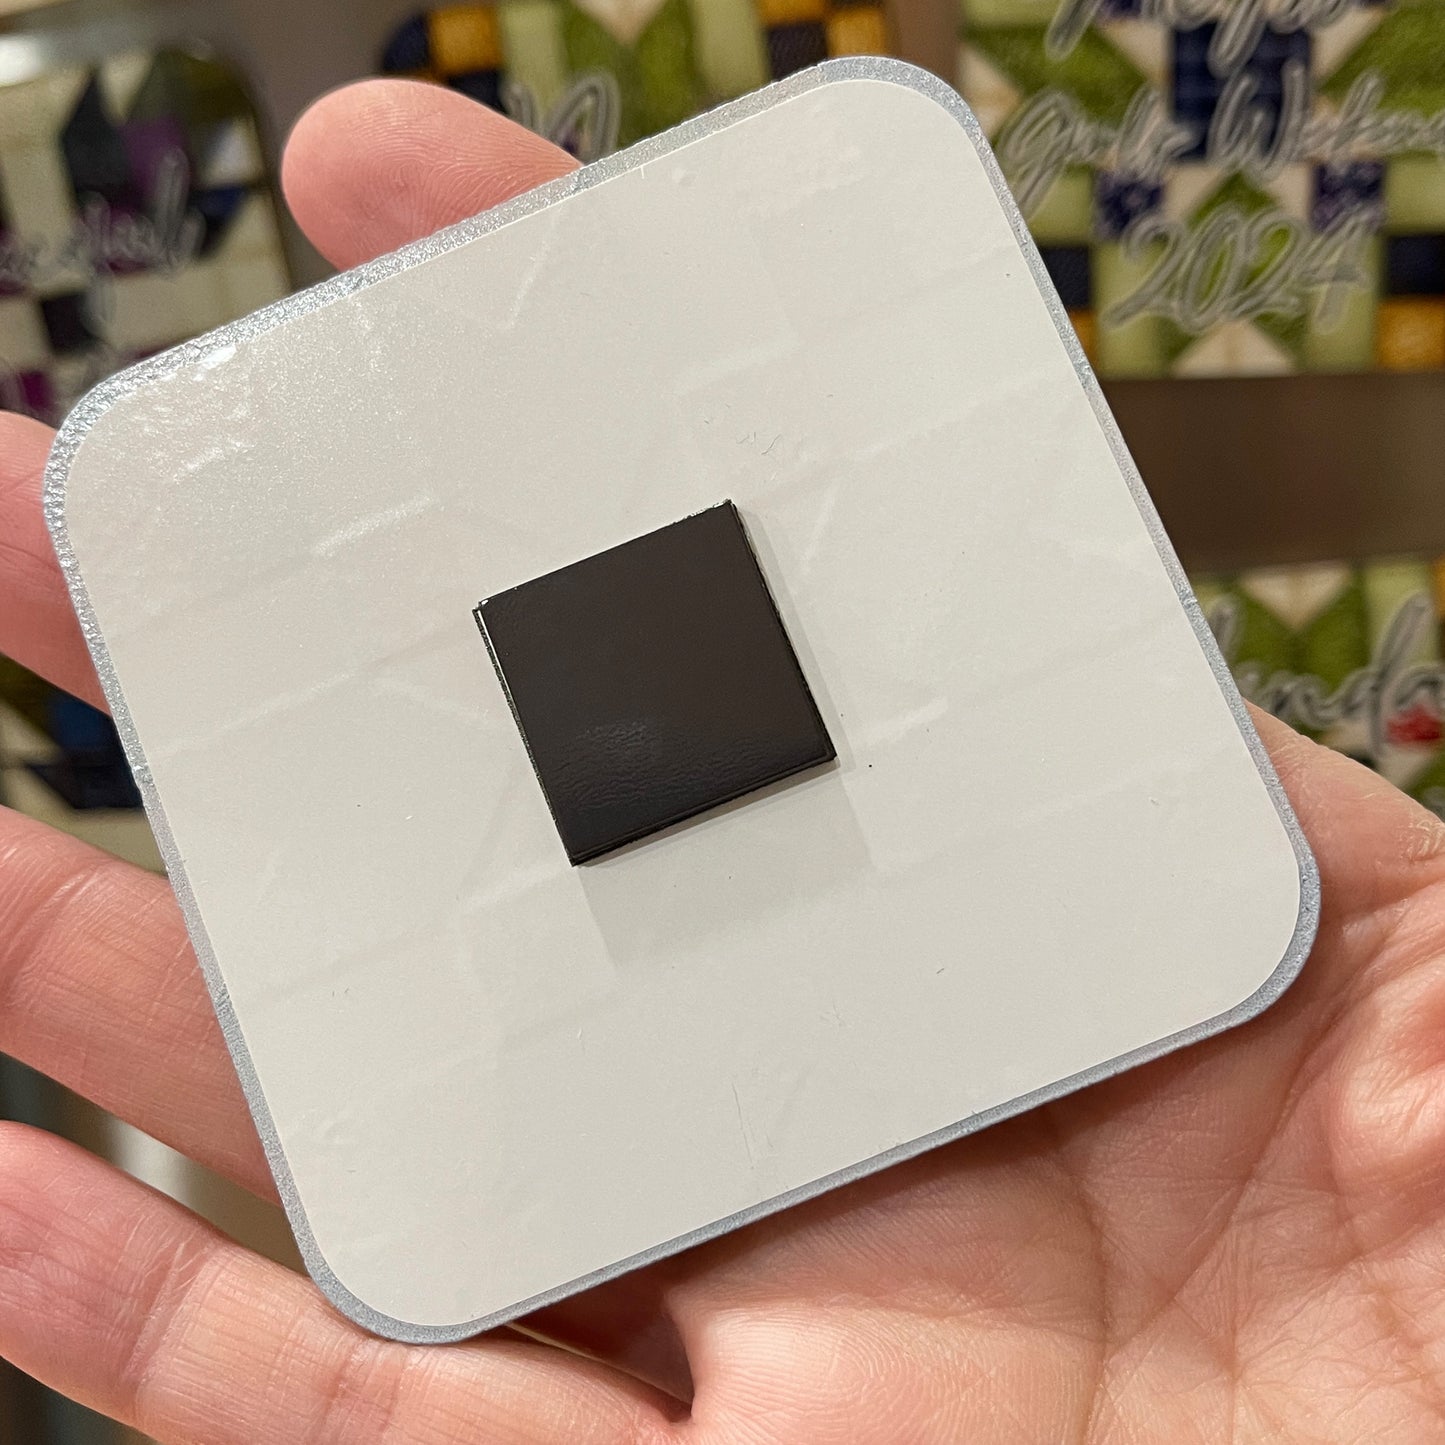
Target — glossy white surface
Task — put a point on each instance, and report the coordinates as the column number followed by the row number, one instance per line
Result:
column 1046, row 843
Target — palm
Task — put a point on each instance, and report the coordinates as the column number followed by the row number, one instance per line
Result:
column 1242, row 1242
column 1246, row 1241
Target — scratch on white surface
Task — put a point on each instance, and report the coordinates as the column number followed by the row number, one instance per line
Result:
column 482, row 899
column 279, row 703
column 428, row 698
column 216, row 358
column 375, row 522
column 743, row 1127
column 895, row 729
column 820, row 528
column 270, row 875
column 545, row 227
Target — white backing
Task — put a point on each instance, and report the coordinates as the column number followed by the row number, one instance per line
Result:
column 1051, row 845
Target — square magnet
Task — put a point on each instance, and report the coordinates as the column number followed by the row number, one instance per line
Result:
column 652, row 682
column 850, row 767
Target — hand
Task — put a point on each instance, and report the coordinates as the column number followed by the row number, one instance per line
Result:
column 1243, row 1242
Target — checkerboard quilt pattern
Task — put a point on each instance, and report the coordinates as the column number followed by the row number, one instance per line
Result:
column 1227, row 197
column 134, row 213
column 658, row 64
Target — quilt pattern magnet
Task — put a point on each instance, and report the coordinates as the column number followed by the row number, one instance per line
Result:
column 666, row 698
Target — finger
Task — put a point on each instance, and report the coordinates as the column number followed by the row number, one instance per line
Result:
column 127, row 1302
column 368, row 169
column 382, row 163
column 1374, row 846
column 37, row 624
column 100, row 990
column 629, row 1323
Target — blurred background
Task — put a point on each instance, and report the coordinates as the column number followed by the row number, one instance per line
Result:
column 1245, row 221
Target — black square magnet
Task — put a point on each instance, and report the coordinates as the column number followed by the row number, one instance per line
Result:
column 653, row 681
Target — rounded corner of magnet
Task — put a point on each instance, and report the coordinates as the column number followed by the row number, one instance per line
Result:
column 59, row 466
column 905, row 84
column 81, row 427
column 378, row 1322
column 1307, row 916
column 900, row 75
column 1302, row 915
column 886, row 68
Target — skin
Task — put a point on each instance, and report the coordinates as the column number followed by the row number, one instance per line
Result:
column 1242, row 1242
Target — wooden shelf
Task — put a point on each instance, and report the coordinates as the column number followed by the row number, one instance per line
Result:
column 1256, row 471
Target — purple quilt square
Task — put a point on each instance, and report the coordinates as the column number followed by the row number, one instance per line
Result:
column 32, row 393
column 1198, row 84
column 1120, row 200
column 157, row 153
column 1347, row 190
